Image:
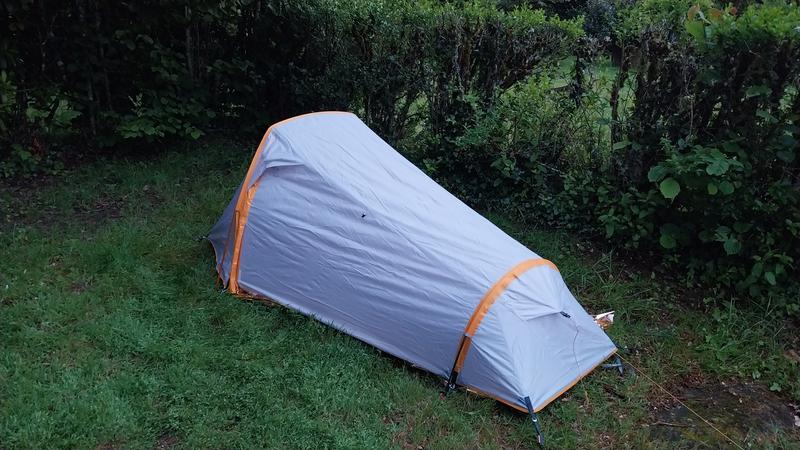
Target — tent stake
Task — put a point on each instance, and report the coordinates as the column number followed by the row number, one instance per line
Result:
column 535, row 420
column 617, row 364
column 453, row 377
column 450, row 384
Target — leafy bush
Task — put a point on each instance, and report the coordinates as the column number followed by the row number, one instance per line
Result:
column 29, row 124
column 723, row 154
column 600, row 19
column 116, row 74
column 513, row 155
column 703, row 167
column 688, row 152
column 685, row 150
column 181, row 68
column 405, row 66
column 166, row 104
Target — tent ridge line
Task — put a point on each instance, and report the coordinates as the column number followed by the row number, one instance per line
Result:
column 480, row 311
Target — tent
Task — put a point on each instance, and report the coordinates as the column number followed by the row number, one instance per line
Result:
column 331, row 221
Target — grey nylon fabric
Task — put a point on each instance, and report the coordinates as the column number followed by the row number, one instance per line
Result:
column 346, row 230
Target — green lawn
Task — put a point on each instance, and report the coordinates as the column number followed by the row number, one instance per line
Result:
column 113, row 334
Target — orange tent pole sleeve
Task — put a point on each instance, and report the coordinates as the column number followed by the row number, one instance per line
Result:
column 486, row 302
column 245, row 200
column 240, row 215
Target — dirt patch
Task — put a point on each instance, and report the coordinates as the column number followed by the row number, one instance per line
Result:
column 167, row 440
column 402, row 437
column 23, row 202
column 101, row 210
column 23, row 205
column 79, row 287
column 21, row 196
column 110, row 445
column 747, row 412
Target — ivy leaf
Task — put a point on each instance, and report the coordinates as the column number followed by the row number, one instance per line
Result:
column 609, row 230
column 670, row 188
column 757, row 269
column 696, row 29
column 726, row 187
column 656, row 173
column 755, row 91
column 787, row 140
column 620, row 145
column 712, row 189
column 667, row 241
column 717, row 167
column 732, row 246
column 766, row 116
column 785, row 155
column 770, row 277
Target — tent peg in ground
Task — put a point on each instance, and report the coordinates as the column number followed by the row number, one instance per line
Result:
column 450, row 383
column 617, row 364
column 535, row 420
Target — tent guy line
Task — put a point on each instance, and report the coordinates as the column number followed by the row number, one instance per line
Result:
column 675, row 397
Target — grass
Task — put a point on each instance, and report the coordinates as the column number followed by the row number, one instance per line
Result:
column 113, row 334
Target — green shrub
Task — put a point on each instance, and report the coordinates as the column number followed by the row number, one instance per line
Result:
column 704, row 167
column 31, row 124
column 118, row 74
column 408, row 66
column 685, row 150
column 166, row 104
column 513, row 154
column 688, row 153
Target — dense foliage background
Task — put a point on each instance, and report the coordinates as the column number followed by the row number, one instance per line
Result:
column 665, row 127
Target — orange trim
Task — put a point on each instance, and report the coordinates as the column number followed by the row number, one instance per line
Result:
column 549, row 400
column 245, row 200
column 488, row 300
column 573, row 383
